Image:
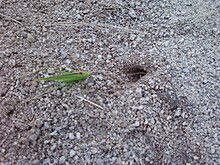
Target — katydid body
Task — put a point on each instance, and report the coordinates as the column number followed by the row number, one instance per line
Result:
column 67, row 77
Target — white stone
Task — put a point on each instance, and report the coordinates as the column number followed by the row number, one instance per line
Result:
column 78, row 16
column 72, row 153
column 51, row 71
column 182, row 39
column 136, row 123
column 144, row 100
column 132, row 13
column 99, row 56
column 212, row 150
column 109, row 56
column 169, row 117
column 78, row 135
column 86, row 11
column 94, row 150
column 139, row 90
column 68, row 61
column 178, row 112
column 54, row 133
column 3, row 150
column 69, row 41
column 62, row 159
column 186, row 70
column 71, row 136
column 132, row 37
column 196, row 157
column 53, row 147
column 146, row 121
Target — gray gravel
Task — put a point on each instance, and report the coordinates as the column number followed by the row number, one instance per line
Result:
column 169, row 115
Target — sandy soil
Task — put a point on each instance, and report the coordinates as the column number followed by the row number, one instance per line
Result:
column 167, row 114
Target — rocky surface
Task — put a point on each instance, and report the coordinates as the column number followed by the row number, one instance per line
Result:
column 167, row 114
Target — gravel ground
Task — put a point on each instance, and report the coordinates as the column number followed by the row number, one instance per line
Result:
column 169, row 114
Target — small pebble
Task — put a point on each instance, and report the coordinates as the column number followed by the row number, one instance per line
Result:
column 178, row 112
column 36, row 162
column 69, row 41
column 139, row 91
column 136, row 124
column 54, row 133
column 186, row 70
column 62, row 159
column 78, row 136
column 12, row 62
column 34, row 137
column 54, row 146
column 212, row 150
column 78, row 16
column 196, row 157
column 71, row 136
column 50, row 71
column 86, row 11
column 3, row 150
column 146, row 121
column 99, row 56
column 132, row 37
column 132, row 13
column 94, row 150
column 72, row 153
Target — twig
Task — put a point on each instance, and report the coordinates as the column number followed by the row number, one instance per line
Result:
column 8, row 17
column 138, row 73
column 100, row 25
column 89, row 101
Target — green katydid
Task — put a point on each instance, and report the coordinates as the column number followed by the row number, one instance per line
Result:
column 67, row 77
